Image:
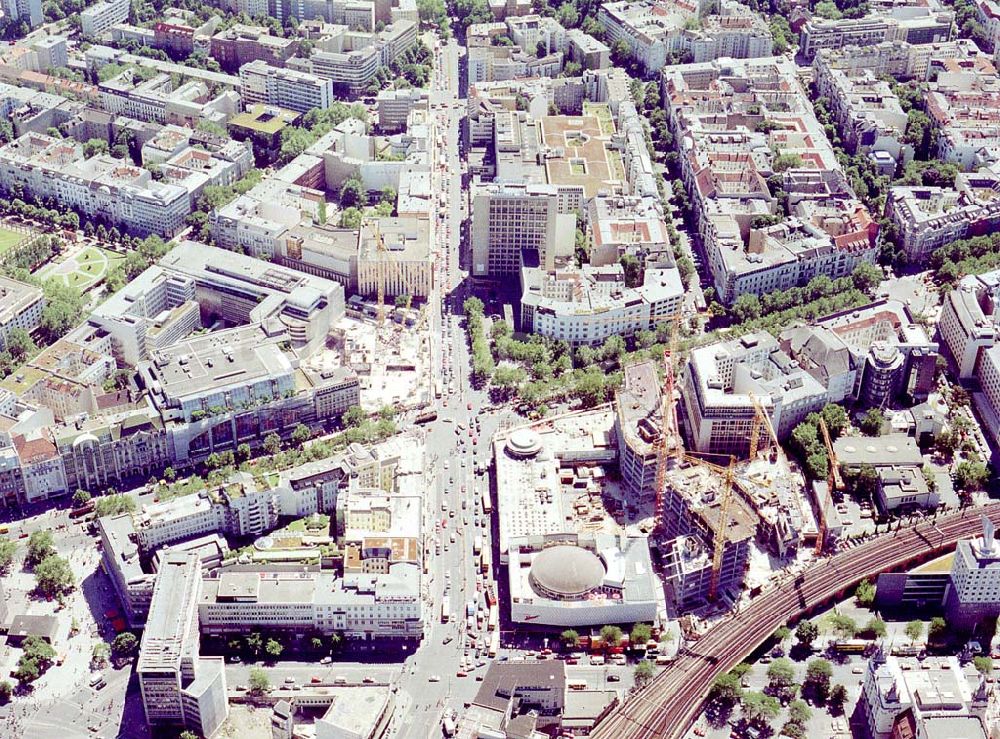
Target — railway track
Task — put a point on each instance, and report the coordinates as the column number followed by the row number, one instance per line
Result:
column 667, row 707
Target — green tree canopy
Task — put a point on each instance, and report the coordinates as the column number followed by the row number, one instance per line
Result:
column 8, row 549
column 41, row 544
column 643, row 672
column 611, row 636
column 864, row 594
column 759, row 708
column 259, row 683
column 806, row 632
column 53, row 576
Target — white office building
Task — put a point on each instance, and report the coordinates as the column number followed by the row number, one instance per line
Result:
column 179, row 688
column 586, row 305
column 99, row 18
column 287, row 88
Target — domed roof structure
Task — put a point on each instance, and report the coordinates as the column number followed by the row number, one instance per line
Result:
column 523, row 443
column 566, row 571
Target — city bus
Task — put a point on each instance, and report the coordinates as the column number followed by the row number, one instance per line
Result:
column 426, row 417
column 445, row 610
column 487, row 505
column 82, row 510
column 494, row 618
column 494, row 644
column 850, row 646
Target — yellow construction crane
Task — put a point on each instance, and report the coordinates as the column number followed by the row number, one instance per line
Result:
column 383, row 264
column 719, row 542
column 670, row 435
column 728, row 473
column 381, row 256
column 761, row 421
column 833, row 482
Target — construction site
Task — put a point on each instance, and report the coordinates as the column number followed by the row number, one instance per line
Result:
column 386, row 338
column 722, row 526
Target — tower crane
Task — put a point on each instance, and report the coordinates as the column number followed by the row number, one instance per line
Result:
column 670, row 435
column 719, row 540
column 381, row 256
column 833, row 482
column 728, row 473
column 761, row 421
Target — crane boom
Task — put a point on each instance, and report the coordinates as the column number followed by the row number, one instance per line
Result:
column 761, row 421
column 833, row 482
column 381, row 254
column 719, row 540
column 670, row 433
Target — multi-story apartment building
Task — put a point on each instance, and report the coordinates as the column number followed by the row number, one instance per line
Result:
column 927, row 218
column 867, row 112
column 27, row 11
column 287, row 88
column 923, row 697
column 929, row 24
column 974, row 595
column 174, row 38
column 587, row 51
column 963, row 103
column 21, row 307
column 255, row 223
column 720, row 380
column 240, row 44
column 752, row 246
column 351, row 59
column 240, row 508
column 897, row 59
column 651, row 29
column 988, row 12
column 970, row 323
column 99, row 187
column 157, row 99
column 887, row 354
column 178, row 686
column 656, row 30
column 359, row 606
column 617, row 226
column 99, row 18
column 528, row 30
column 394, row 107
column 586, row 305
column 734, row 31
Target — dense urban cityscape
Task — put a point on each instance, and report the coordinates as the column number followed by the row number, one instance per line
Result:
column 499, row 369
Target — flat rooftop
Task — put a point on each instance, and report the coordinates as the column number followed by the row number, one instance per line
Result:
column 170, row 613
column 702, row 488
column 216, row 360
column 879, row 451
column 532, row 497
column 355, row 711
column 579, row 153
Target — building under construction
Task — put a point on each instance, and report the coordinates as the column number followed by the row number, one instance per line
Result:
column 638, row 422
column 690, row 520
